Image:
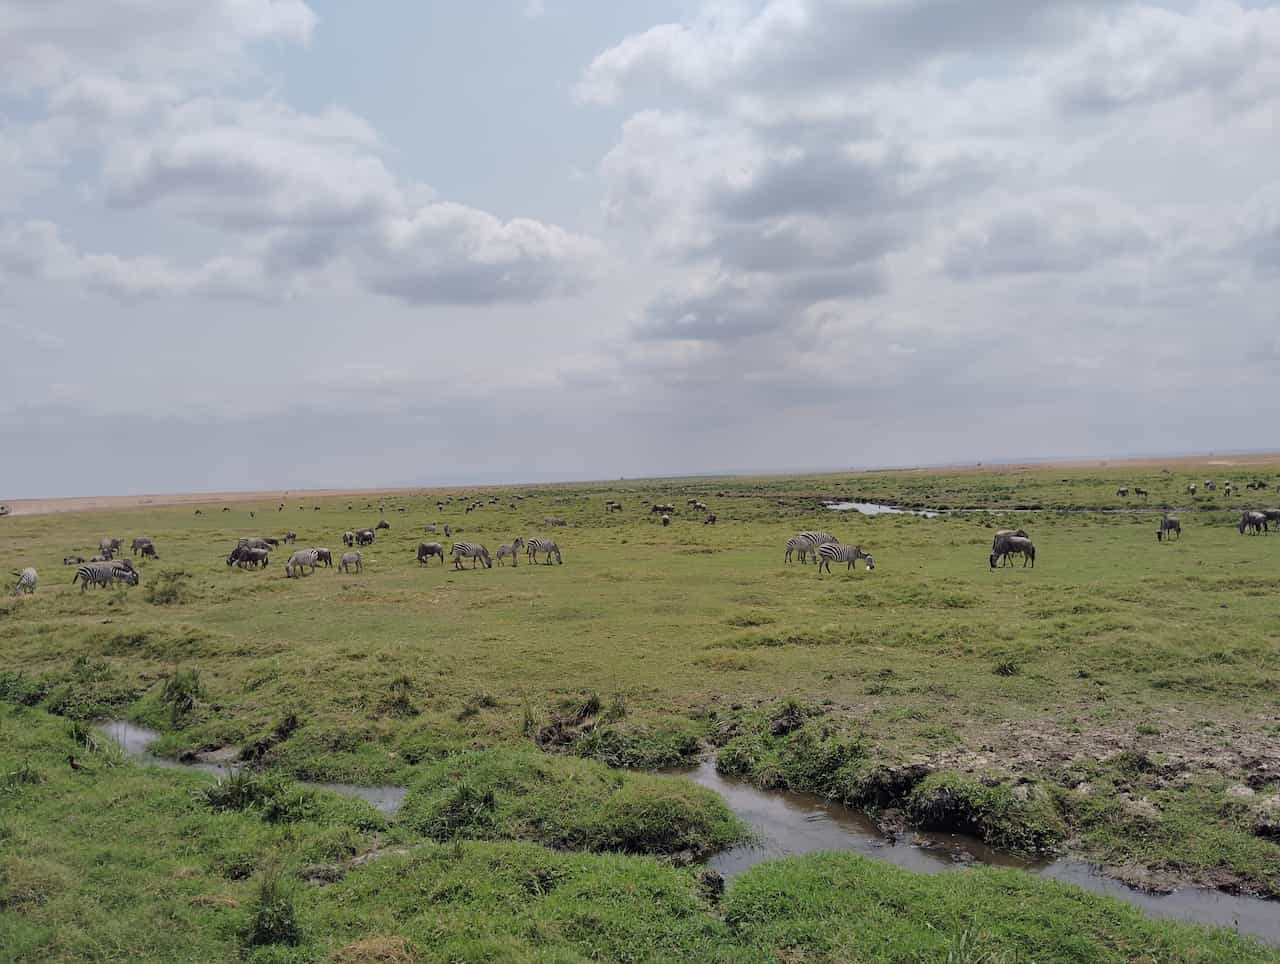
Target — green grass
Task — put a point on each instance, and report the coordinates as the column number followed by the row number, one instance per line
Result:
column 1021, row 704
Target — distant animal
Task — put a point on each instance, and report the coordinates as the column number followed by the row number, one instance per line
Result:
column 1014, row 546
column 710, row 520
column 383, row 524
column 430, row 529
column 324, row 556
column 553, row 522
column 700, row 506
column 1169, row 525
column 149, row 551
column 300, row 560
column 692, row 502
column 28, row 579
column 1191, row 489
column 1210, row 485
column 1257, row 485
column 830, row 552
column 1123, row 491
column 252, row 514
column 1273, row 515
column 511, row 549
column 4, row 510
column 99, row 559
column 1000, row 538
column 109, row 547
column 364, row 537
column 658, row 508
column 290, row 537
column 76, row 764
column 470, row 550
column 226, row 508
column 1226, row 488
column 1254, row 522
column 72, row 560
column 428, row 549
column 613, row 507
column 138, row 542
column 273, row 543
column 348, row 560
column 348, row 538
column 197, row 512
column 1143, row 493
column 536, row 545
column 255, row 542
column 447, row 531
column 103, row 574
column 666, row 520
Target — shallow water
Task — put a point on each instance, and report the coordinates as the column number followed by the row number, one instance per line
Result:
column 135, row 739
column 798, row 823
column 874, row 508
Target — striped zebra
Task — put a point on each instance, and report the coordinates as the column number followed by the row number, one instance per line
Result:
column 830, row 552
column 812, row 541
column 473, row 551
column 27, row 580
column 103, row 574
column 536, row 545
column 302, row 559
column 511, row 549
column 799, row 547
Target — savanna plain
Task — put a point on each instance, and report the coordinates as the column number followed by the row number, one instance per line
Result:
column 1118, row 703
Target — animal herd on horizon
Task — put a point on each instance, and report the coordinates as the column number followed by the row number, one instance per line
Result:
column 105, row 569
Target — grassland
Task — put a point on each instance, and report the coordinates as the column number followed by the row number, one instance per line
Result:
column 1118, row 702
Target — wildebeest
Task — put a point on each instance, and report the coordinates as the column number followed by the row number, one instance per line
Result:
column 1210, row 485
column 430, row 529
column 290, row 537
column 1123, row 491
column 348, row 560
column 109, row 547
column 1143, row 493
column 1169, row 525
column 247, row 557
column 149, row 551
column 1014, row 546
column 657, row 508
column 138, row 542
column 72, row 560
column 348, row 538
column 383, row 524
column 1253, row 521
column 554, row 522
column 325, row 556
column 710, row 520
column 1191, row 489
column 428, row 549
column 364, row 537
column 1001, row 538
column 666, row 519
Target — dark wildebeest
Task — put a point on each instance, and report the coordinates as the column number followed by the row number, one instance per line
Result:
column 428, row 549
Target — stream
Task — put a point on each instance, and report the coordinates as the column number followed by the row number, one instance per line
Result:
column 787, row 823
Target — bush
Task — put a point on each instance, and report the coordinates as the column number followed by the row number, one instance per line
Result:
column 168, row 588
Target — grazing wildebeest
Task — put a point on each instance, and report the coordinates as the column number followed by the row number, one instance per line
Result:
column 109, row 547
column 1123, row 491
column 1191, row 489
column 710, row 520
column 428, row 549
column 290, row 537
column 149, row 551
column 1169, row 525
column 1143, row 493
column 554, row 522
column 325, row 556
column 348, row 560
column 364, row 537
column 348, row 538
column 1000, row 538
column 430, row 529
column 1210, row 485
column 383, row 524
column 138, row 542
column 1273, row 515
column 1016, row 545
column 666, row 519
column 72, row 560
column 249, row 558
column 1253, row 521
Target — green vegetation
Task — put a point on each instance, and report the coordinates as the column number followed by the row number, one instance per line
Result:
column 1117, row 702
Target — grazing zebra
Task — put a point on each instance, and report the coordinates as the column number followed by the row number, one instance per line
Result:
column 666, row 520
column 104, row 573
column 348, row 560
column 325, row 556
column 1254, row 522
column 830, row 552
column 800, row 547
column 473, row 551
column 247, row 558
column 27, row 580
column 511, row 549
column 1143, row 493
column 1001, row 537
column 536, row 545
column 364, row 537
column 302, row 559
column 428, row 549
column 139, row 542
column 72, row 560
column 1168, row 526
column 1015, row 546
column 710, row 520
column 814, row 540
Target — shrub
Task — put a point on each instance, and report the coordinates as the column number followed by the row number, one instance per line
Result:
column 168, row 588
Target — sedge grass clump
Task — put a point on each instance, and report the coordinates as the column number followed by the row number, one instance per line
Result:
column 1022, row 818
column 181, row 693
column 273, row 918
column 169, row 587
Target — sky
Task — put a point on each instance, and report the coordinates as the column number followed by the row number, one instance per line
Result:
column 252, row 244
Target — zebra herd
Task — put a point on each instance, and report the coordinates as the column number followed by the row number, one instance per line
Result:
column 826, row 549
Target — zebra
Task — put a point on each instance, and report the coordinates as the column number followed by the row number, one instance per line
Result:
column 72, row 560
column 27, row 581
column 139, row 542
column 511, row 549
column 1014, row 546
column 1000, row 538
column 473, row 551
column 302, row 559
column 105, row 573
column 830, row 552
column 798, row 546
column 348, row 560
column 813, row 540
column 537, row 545
column 428, row 549
column 1255, row 522
column 1168, row 526
column 364, row 537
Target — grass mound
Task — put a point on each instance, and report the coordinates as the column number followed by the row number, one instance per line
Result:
column 566, row 803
